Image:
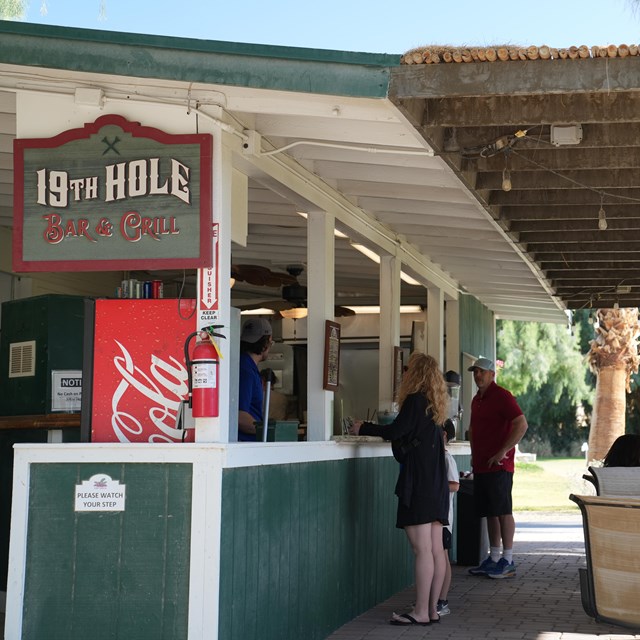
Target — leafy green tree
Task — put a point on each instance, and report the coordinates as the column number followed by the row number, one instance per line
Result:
column 544, row 367
column 16, row 9
column 12, row 9
column 553, row 425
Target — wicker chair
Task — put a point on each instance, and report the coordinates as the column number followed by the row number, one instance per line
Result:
column 610, row 585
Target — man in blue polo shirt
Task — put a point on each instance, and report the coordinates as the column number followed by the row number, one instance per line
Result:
column 497, row 425
column 255, row 342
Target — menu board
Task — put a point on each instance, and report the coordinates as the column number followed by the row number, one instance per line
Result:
column 331, row 378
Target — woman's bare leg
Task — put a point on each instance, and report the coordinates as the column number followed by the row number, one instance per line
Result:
column 421, row 541
column 439, row 568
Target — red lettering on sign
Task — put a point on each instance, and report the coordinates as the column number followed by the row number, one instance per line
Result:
column 57, row 229
column 133, row 226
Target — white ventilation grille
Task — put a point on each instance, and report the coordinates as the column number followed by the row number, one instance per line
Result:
column 22, row 359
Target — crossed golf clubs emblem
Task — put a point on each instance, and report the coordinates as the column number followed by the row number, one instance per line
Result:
column 111, row 146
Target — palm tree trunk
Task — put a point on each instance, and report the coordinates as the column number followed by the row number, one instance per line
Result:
column 608, row 410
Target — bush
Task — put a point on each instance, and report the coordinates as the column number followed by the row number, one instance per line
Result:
column 540, row 446
column 545, row 448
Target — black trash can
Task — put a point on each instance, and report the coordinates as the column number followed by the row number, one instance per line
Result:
column 471, row 538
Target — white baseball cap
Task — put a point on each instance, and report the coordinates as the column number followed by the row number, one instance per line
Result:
column 254, row 329
column 483, row 363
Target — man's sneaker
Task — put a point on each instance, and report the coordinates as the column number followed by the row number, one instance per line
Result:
column 484, row 568
column 443, row 608
column 503, row 569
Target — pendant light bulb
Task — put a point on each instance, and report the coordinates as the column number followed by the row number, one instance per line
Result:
column 506, row 180
column 602, row 219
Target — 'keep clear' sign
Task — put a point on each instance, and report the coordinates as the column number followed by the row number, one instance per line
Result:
column 100, row 493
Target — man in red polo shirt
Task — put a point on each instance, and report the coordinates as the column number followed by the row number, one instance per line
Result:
column 497, row 425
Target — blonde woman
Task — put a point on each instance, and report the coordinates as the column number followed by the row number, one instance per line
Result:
column 422, row 488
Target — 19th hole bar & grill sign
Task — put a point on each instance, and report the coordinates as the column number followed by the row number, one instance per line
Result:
column 112, row 195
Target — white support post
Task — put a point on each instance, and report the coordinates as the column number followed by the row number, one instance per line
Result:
column 435, row 324
column 216, row 429
column 390, row 268
column 320, row 306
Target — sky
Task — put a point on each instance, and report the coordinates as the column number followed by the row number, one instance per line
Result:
column 373, row 26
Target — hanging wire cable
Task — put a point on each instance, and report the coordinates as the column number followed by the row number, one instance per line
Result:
column 506, row 144
column 572, row 180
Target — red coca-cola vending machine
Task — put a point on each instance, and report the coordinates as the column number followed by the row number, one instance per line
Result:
column 135, row 370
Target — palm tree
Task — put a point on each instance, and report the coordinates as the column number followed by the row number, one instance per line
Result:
column 613, row 357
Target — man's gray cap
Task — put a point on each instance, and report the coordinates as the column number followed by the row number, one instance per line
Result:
column 483, row 363
column 254, row 329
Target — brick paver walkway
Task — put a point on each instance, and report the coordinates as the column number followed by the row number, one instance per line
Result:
column 541, row 603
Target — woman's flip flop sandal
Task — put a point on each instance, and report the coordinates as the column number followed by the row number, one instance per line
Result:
column 409, row 621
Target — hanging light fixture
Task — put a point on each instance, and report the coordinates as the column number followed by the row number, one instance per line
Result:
column 602, row 216
column 506, row 174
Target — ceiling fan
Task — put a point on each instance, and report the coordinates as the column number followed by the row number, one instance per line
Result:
column 294, row 297
column 261, row 276
column 250, row 273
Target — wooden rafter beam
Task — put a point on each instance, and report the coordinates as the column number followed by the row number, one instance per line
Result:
column 575, row 237
column 518, row 111
column 515, row 78
column 523, row 228
column 534, row 213
column 577, row 179
column 564, row 196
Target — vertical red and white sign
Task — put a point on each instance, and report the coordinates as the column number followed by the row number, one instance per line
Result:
column 208, row 283
column 139, row 373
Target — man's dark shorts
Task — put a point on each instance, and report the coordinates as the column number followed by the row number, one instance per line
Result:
column 446, row 538
column 492, row 493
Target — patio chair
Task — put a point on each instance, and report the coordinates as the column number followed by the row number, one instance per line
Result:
column 610, row 584
column 615, row 481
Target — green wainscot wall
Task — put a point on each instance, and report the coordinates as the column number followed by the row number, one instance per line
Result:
column 106, row 575
column 307, row 547
column 477, row 327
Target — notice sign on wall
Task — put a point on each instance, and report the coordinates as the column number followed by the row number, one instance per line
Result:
column 100, row 493
column 111, row 196
column 66, row 390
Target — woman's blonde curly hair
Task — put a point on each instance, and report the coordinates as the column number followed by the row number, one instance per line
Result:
column 423, row 375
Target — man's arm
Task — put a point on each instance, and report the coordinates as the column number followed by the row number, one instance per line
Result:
column 246, row 423
column 519, row 427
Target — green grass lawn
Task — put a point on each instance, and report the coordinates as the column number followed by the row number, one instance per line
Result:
column 545, row 485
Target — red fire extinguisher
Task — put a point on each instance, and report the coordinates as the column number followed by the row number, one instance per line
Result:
column 202, row 371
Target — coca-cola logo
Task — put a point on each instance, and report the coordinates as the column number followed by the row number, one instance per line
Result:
column 147, row 398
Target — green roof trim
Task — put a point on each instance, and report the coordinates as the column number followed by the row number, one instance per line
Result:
column 191, row 60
